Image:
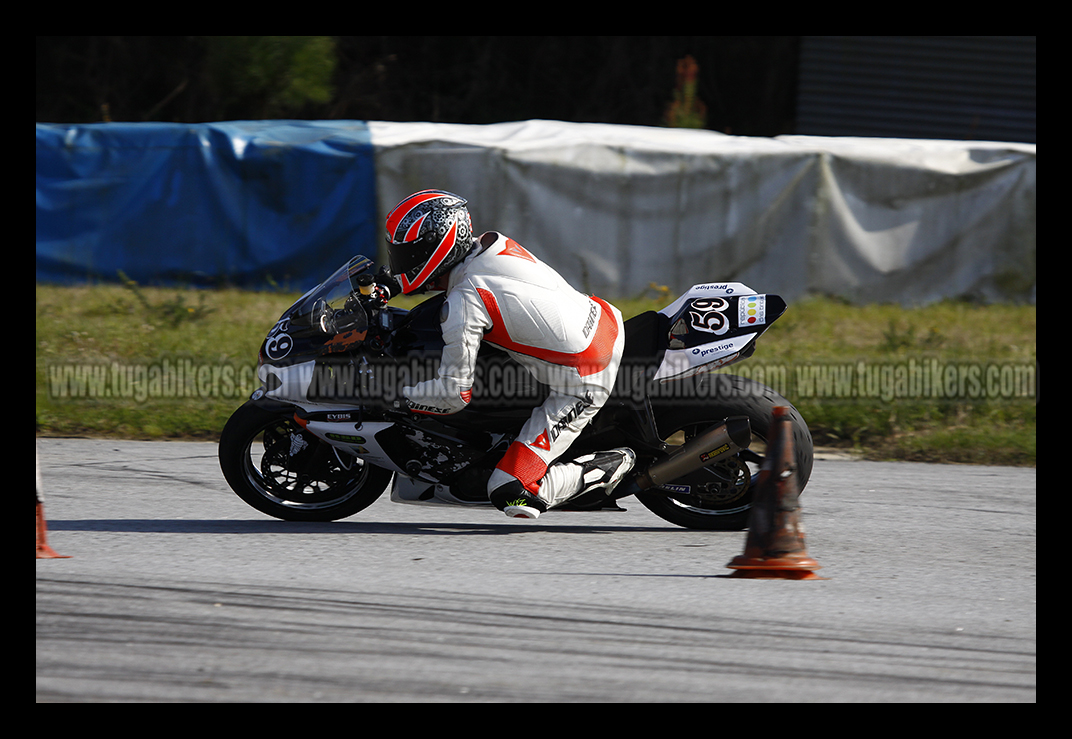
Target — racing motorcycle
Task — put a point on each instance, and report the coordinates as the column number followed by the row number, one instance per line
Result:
column 328, row 431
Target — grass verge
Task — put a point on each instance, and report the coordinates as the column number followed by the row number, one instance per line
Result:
column 951, row 382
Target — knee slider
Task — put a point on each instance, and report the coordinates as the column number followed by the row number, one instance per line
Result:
column 513, row 491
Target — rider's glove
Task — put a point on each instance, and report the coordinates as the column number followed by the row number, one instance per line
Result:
column 385, row 278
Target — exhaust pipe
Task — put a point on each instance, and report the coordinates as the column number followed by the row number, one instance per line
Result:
column 718, row 442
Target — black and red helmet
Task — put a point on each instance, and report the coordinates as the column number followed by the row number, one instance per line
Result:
column 427, row 234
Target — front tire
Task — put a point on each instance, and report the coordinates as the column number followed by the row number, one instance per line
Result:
column 279, row 468
column 719, row 497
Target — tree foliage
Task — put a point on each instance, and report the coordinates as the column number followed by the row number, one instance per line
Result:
column 269, row 76
column 743, row 84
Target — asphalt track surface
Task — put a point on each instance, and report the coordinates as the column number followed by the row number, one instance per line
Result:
column 176, row 591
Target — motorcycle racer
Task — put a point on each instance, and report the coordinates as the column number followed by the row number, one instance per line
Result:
column 498, row 292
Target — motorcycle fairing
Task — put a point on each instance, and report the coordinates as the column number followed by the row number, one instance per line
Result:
column 428, row 467
column 408, row 490
column 358, row 439
column 422, row 448
column 329, row 318
column 713, row 325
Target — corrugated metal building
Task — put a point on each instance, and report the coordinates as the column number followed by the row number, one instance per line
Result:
column 947, row 87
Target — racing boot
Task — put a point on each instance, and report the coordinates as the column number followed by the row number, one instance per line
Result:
column 568, row 480
column 565, row 481
column 604, row 469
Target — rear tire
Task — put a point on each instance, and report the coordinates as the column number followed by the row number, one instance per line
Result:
column 720, row 496
column 282, row 470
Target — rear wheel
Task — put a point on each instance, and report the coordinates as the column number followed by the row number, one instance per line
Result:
column 281, row 469
column 719, row 497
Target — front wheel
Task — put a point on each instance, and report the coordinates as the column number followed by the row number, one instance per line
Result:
column 281, row 469
column 719, row 497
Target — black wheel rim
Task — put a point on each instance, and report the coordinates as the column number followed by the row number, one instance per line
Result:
column 290, row 467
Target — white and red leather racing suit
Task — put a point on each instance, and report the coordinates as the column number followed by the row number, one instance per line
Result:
column 502, row 294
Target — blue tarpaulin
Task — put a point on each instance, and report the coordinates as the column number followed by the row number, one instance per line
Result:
column 613, row 208
column 242, row 203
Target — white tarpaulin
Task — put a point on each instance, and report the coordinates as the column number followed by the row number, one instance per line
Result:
column 616, row 208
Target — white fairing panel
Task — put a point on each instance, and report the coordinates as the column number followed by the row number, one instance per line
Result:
column 708, row 329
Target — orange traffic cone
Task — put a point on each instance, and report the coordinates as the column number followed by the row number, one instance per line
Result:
column 44, row 551
column 775, row 545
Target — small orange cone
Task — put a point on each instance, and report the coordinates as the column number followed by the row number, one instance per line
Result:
column 44, row 551
column 775, row 546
